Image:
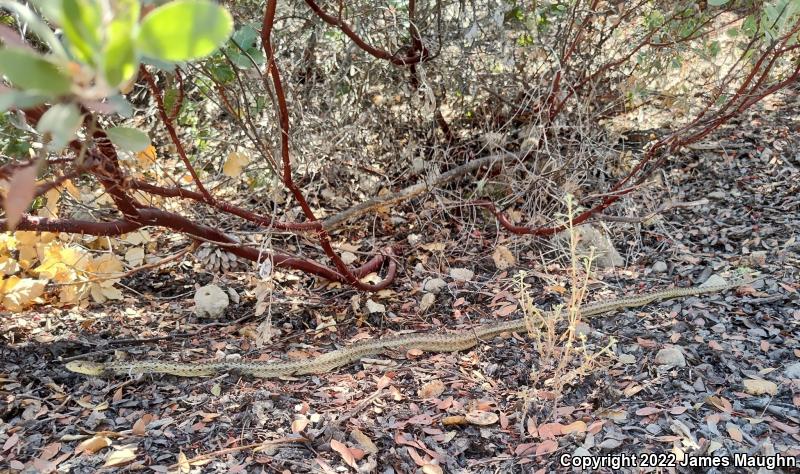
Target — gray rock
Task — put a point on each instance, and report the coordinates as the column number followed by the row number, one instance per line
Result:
column 671, row 356
column 434, row 285
column 792, row 371
column 757, row 332
column 659, row 267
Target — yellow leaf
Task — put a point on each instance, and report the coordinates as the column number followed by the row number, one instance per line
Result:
column 106, row 265
column 8, row 266
column 20, row 292
column 147, row 157
column 234, row 164
column 135, row 256
column 72, row 294
column 50, row 209
column 72, row 189
column 138, row 237
column 61, row 263
column 93, row 444
column 183, row 463
column 121, row 456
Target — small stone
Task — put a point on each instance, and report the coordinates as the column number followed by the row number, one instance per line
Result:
column 659, row 267
column 718, row 328
column 792, row 371
column 434, row 285
column 427, row 301
column 461, row 274
column 627, row 358
column 671, row 356
column 653, row 429
column 374, row 307
column 758, row 258
column 582, row 329
column 210, row 301
column 717, row 195
column 757, row 332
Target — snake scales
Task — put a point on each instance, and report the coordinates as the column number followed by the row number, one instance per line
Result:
column 432, row 342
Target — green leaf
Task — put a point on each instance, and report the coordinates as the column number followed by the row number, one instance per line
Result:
column 33, row 73
column 119, row 56
column 20, row 100
column 183, row 30
column 128, row 139
column 36, row 25
column 82, row 23
column 61, row 122
column 717, row 3
column 247, row 38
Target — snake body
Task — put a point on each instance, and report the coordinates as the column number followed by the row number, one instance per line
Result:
column 430, row 342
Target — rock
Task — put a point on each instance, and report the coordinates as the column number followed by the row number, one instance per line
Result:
column 717, row 195
column 671, row 356
column 760, row 387
column 582, row 329
column 659, row 267
column 714, row 280
column 427, row 301
column 461, row 274
column 210, row 301
column 434, row 285
column 758, row 258
column 374, row 307
column 718, row 328
column 627, row 358
column 792, row 371
column 757, row 332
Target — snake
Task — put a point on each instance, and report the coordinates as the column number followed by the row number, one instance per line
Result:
column 428, row 342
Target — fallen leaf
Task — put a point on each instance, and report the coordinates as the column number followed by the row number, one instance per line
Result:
column 721, row 403
column 432, row 469
column 432, row 389
column 647, row 411
column 547, row 446
column 299, row 424
column 11, row 442
column 482, row 418
column 734, row 432
column 234, row 164
column 344, row 452
column 503, row 258
column 550, row 430
column 183, row 463
column 121, row 456
column 140, row 427
column 574, row 427
column 364, row 441
column 760, row 387
column 93, row 445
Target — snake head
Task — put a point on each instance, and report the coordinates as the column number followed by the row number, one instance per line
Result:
column 86, row 367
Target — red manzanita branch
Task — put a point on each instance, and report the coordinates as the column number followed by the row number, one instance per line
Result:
column 266, row 221
column 157, row 217
column 288, row 180
column 173, row 134
column 414, row 56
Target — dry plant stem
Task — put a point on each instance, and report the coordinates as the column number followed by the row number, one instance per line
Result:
column 222, row 452
column 415, row 190
column 665, row 206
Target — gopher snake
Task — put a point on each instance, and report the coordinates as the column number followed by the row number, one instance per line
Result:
column 432, row 342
